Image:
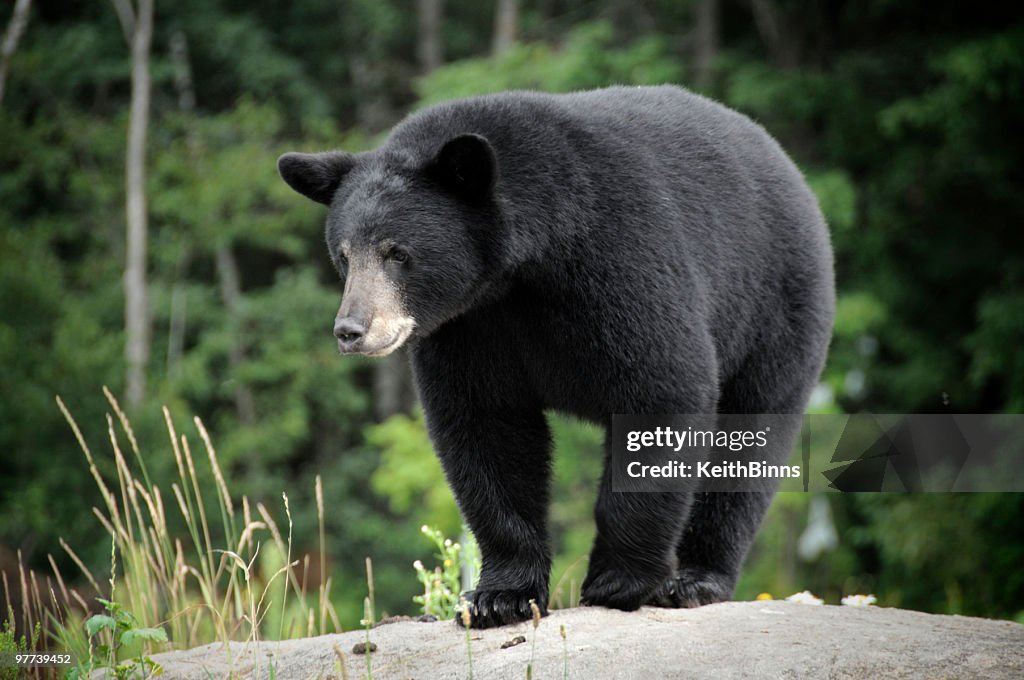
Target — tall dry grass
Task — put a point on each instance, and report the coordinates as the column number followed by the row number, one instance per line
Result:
column 212, row 584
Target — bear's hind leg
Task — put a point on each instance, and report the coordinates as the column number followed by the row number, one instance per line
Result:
column 633, row 551
column 718, row 534
column 722, row 524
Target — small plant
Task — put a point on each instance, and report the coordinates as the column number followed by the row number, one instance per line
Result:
column 565, row 652
column 467, row 621
column 442, row 586
column 369, row 617
column 123, row 632
column 368, row 646
column 11, row 644
column 533, row 641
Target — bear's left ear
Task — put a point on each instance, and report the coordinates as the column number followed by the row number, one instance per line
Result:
column 315, row 175
column 466, row 165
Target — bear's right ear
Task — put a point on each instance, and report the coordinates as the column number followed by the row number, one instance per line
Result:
column 315, row 175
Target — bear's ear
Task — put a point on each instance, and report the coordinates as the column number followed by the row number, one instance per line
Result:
column 315, row 175
column 466, row 165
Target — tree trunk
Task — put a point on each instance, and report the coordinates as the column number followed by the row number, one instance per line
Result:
column 231, row 294
column 429, row 50
column 705, row 42
column 630, row 19
column 187, row 103
column 373, row 110
column 179, row 316
column 15, row 29
column 782, row 45
column 137, row 322
column 183, row 79
column 506, row 26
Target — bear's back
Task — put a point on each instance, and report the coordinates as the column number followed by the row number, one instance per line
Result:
column 667, row 180
column 661, row 145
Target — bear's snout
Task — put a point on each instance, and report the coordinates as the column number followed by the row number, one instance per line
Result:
column 350, row 333
column 376, row 338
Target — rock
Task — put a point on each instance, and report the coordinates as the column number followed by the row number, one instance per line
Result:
column 768, row 639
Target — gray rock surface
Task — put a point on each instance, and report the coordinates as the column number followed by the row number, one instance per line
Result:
column 732, row 640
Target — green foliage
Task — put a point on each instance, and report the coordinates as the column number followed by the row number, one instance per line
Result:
column 442, row 586
column 578, row 461
column 837, row 196
column 409, row 475
column 917, row 566
column 11, row 643
column 587, row 59
column 1000, row 328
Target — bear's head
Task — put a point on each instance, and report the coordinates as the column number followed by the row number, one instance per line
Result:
column 412, row 240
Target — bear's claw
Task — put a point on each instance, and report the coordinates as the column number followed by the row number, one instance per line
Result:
column 692, row 588
column 491, row 608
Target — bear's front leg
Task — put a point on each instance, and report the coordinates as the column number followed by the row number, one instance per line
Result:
column 495, row 448
column 497, row 466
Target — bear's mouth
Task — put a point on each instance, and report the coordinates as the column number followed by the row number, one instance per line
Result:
column 396, row 340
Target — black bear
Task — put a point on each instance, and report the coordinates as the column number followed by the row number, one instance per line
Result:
column 621, row 251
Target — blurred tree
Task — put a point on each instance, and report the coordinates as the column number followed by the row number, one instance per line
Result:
column 137, row 24
column 506, row 26
column 776, row 33
column 705, row 42
column 429, row 49
column 15, row 27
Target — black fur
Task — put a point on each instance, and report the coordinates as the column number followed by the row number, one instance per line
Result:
column 628, row 250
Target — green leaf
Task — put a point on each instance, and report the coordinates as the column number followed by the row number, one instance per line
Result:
column 125, row 618
column 150, row 634
column 99, row 622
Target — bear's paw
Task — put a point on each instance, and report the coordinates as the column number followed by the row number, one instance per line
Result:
column 616, row 589
column 693, row 588
column 491, row 608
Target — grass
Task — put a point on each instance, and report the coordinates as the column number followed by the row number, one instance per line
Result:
column 535, row 610
column 565, row 652
column 209, row 586
column 467, row 620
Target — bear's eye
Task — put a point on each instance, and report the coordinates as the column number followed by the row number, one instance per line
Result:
column 341, row 263
column 397, row 255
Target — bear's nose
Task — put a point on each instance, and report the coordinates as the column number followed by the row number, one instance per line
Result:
column 349, row 332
